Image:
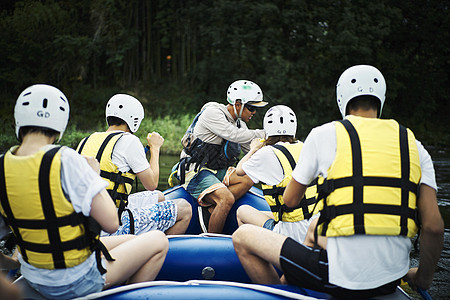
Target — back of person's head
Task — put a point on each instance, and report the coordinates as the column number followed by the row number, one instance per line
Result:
column 41, row 108
column 280, row 124
column 365, row 102
column 245, row 92
column 357, row 81
column 126, row 108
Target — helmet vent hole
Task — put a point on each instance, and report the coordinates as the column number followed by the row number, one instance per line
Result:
column 270, row 122
column 29, row 93
column 281, row 120
column 235, row 89
column 353, row 80
column 63, row 99
column 376, row 80
column 62, row 108
column 120, row 106
column 44, row 103
column 26, row 103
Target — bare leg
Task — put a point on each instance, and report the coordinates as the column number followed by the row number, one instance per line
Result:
column 259, row 250
column 184, row 214
column 138, row 259
column 223, row 200
column 111, row 242
column 247, row 214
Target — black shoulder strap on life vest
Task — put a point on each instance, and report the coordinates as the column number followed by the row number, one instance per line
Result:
column 286, row 153
column 358, row 208
column 117, row 178
column 83, row 142
column 276, row 191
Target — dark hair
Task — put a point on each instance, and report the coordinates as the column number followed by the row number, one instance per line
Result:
column 115, row 121
column 23, row 131
column 364, row 102
column 272, row 140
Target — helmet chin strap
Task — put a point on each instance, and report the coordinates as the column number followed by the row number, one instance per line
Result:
column 238, row 122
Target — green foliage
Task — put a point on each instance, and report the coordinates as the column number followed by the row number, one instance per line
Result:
column 177, row 55
column 171, row 128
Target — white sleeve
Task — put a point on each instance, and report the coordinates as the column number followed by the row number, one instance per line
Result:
column 215, row 121
column 129, row 154
column 317, row 154
column 426, row 166
column 79, row 181
column 264, row 166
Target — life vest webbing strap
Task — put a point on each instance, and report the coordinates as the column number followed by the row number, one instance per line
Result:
column 405, row 167
column 330, row 185
column 83, row 142
column 7, row 208
column 104, row 144
column 116, row 177
column 287, row 154
column 48, row 208
column 334, row 211
column 358, row 190
column 79, row 243
column 73, row 219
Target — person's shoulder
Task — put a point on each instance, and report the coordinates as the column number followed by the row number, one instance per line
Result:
column 213, row 107
column 324, row 128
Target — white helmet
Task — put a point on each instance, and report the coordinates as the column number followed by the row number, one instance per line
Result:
column 247, row 92
column 127, row 108
column 42, row 105
column 358, row 81
column 280, row 120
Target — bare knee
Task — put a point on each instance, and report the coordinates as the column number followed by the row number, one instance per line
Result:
column 155, row 238
column 242, row 211
column 184, row 209
column 226, row 201
column 239, row 237
column 161, row 196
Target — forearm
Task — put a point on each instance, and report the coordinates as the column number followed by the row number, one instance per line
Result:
column 154, row 165
column 431, row 243
column 293, row 193
column 239, row 169
column 431, row 236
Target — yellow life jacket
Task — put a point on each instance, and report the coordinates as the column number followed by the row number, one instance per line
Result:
column 48, row 232
column 288, row 155
column 101, row 145
column 372, row 184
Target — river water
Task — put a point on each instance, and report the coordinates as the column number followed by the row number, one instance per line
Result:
column 440, row 288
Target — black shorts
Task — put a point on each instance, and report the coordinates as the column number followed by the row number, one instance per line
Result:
column 308, row 268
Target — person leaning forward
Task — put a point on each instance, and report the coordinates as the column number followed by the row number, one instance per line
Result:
column 122, row 158
column 55, row 204
column 220, row 133
column 379, row 180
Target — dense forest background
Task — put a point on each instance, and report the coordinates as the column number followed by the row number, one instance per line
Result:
column 175, row 55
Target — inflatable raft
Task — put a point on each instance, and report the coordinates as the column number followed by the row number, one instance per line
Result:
column 205, row 266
